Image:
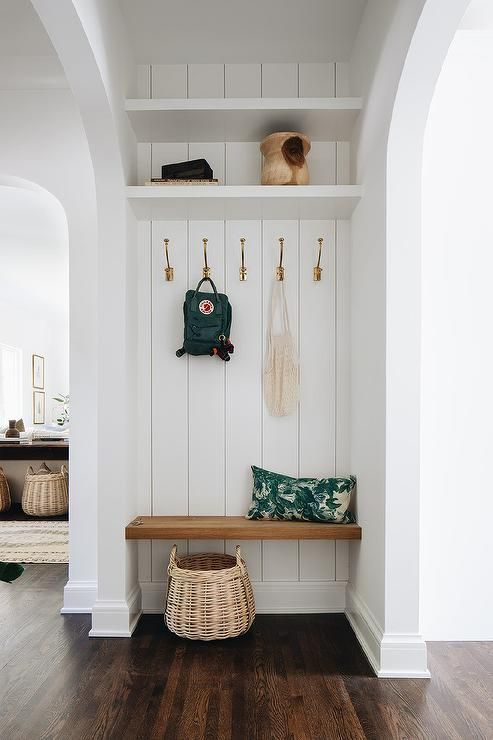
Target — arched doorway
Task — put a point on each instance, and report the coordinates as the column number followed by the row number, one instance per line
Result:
column 427, row 51
column 457, row 364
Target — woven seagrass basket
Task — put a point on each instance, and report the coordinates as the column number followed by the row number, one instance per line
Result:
column 45, row 493
column 5, row 500
column 209, row 596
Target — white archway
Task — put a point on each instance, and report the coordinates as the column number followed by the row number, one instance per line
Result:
column 428, row 49
column 43, row 142
column 83, row 35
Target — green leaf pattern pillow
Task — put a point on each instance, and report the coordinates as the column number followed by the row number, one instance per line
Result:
column 277, row 496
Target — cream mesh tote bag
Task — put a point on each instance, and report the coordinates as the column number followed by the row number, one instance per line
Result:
column 281, row 384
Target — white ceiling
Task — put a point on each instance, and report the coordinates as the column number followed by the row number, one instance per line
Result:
column 195, row 31
column 33, row 249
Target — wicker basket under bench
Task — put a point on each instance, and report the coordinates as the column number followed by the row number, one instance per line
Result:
column 209, row 596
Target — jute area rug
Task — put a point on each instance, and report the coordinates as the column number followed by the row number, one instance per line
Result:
column 34, row 542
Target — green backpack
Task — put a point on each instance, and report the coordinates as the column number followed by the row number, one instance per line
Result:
column 207, row 323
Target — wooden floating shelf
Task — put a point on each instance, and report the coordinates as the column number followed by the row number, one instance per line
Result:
column 235, row 528
column 241, row 119
column 243, row 202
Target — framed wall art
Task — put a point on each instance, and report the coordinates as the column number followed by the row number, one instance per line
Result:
column 38, row 372
column 38, row 407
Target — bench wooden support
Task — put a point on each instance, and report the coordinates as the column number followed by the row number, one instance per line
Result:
column 235, row 528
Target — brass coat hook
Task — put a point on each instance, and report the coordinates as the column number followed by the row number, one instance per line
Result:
column 168, row 271
column 280, row 268
column 206, row 270
column 243, row 269
column 317, row 270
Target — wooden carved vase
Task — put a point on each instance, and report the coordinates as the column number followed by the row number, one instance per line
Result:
column 285, row 159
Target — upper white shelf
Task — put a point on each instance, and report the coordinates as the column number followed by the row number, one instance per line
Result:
column 243, row 202
column 241, row 119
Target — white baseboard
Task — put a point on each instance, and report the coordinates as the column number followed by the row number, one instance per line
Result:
column 278, row 597
column 79, row 597
column 117, row 618
column 390, row 655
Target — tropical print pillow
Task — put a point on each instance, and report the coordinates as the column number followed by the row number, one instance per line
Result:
column 277, row 496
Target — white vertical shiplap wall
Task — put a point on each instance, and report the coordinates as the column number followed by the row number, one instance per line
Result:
column 240, row 163
column 204, row 422
column 282, row 80
column 208, row 419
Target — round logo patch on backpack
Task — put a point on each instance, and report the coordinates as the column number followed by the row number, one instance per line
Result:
column 206, row 307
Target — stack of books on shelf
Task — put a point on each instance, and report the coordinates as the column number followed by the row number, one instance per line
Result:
column 24, row 439
column 50, row 435
column 194, row 172
column 160, row 181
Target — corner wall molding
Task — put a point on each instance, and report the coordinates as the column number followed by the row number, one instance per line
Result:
column 79, row 597
column 117, row 618
column 390, row 655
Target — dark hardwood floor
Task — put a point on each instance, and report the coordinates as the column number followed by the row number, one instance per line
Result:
column 296, row 677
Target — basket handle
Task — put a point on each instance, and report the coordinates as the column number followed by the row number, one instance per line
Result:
column 64, row 471
column 239, row 561
column 244, row 575
column 172, row 559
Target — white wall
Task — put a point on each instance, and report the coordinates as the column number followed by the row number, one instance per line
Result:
column 375, row 66
column 395, row 40
column 457, row 357
column 34, row 290
column 277, row 31
column 208, row 420
column 43, row 141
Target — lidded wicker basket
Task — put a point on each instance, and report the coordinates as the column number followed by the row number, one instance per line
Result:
column 5, row 500
column 209, row 596
column 45, row 492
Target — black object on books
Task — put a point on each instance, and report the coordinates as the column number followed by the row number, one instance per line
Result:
column 196, row 169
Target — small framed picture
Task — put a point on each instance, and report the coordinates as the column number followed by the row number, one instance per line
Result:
column 38, row 371
column 38, row 407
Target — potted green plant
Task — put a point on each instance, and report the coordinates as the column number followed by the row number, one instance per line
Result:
column 10, row 571
column 63, row 417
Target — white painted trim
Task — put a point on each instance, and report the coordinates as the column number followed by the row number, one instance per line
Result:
column 366, row 628
column 79, row 597
column 271, row 597
column 390, row 655
column 403, row 656
column 117, row 618
column 153, row 597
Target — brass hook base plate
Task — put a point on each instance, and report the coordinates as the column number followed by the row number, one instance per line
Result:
column 243, row 274
column 317, row 274
column 280, row 273
column 170, row 274
column 206, row 272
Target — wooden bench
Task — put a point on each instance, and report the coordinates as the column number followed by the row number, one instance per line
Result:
column 235, row 528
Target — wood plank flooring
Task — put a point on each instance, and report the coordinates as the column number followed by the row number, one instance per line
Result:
column 292, row 677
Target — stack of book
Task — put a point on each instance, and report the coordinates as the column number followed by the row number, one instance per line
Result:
column 169, row 181
column 23, row 439
column 50, row 435
column 194, row 172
